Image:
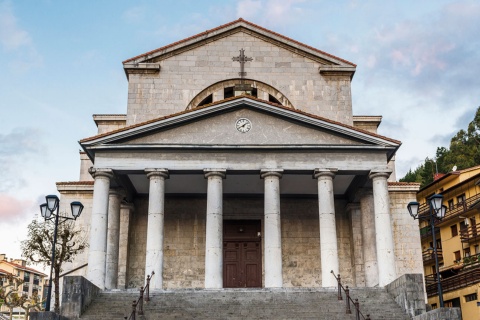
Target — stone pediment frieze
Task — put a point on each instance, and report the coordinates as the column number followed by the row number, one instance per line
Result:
column 265, row 126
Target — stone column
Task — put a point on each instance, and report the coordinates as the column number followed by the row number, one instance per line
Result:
column 155, row 227
column 355, row 220
column 111, row 271
column 369, row 237
column 328, row 229
column 125, row 214
column 272, row 229
column 214, row 229
column 98, row 227
column 383, row 227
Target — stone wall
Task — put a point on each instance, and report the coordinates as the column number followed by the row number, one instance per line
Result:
column 184, row 75
column 77, row 294
column 184, row 246
column 441, row 314
column 408, row 292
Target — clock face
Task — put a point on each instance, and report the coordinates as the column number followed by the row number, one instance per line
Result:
column 243, row 125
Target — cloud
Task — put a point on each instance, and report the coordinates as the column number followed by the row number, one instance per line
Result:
column 13, row 209
column 17, row 148
column 17, row 42
column 270, row 13
column 11, row 35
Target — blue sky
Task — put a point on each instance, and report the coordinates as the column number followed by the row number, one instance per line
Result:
column 60, row 62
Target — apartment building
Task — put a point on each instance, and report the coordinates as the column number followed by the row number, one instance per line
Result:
column 33, row 279
column 458, row 241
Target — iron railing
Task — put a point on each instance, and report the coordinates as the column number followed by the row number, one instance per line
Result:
column 349, row 299
column 137, row 305
column 464, row 279
column 454, row 211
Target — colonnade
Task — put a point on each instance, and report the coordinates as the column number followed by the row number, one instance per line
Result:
column 105, row 229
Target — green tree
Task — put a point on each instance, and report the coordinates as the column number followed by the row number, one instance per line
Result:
column 39, row 243
column 463, row 152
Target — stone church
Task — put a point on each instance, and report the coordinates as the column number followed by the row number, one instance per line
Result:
column 239, row 163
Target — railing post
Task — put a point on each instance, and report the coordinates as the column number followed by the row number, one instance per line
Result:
column 147, row 298
column 134, row 310
column 357, row 309
column 140, row 302
column 347, row 300
column 339, row 282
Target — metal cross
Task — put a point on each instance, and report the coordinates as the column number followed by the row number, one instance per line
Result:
column 242, row 59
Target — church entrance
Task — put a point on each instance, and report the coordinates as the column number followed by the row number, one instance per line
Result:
column 242, row 254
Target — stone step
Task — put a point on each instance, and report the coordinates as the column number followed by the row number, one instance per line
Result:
column 289, row 303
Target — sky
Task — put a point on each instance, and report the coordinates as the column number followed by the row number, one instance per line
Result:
column 60, row 62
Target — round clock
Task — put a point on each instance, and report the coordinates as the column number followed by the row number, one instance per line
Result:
column 243, row 125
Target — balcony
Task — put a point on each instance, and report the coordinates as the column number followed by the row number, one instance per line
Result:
column 470, row 234
column 454, row 211
column 429, row 257
column 462, row 280
column 426, row 232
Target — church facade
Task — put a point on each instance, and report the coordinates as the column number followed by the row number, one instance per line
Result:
column 239, row 163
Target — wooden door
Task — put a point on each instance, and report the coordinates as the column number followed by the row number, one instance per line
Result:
column 242, row 254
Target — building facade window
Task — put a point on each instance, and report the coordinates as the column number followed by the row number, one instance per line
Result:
column 471, row 297
column 450, row 204
column 466, row 252
column 454, row 230
column 457, row 256
column 461, row 199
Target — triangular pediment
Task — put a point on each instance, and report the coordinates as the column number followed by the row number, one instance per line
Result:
column 216, row 126
column 149, row 60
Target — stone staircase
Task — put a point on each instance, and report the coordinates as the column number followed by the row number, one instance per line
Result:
column 292, row 303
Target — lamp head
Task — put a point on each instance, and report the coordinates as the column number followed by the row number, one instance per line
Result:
column 52, row 202
column 436, row 202
column 44, row 210
column 413, row 209
column 77, row 208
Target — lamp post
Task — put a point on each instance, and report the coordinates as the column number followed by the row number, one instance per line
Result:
column 47, row 210
column 436, row 213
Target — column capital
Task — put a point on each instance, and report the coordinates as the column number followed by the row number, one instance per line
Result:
column 154, row 172
column 117, row 192
column 324, row 172
column 380, row 172
column 100, row 172
column 352, row 206
column 127, row 205
column 215, row 172
column 264, row 173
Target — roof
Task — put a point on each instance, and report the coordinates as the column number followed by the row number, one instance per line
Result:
column 75, row 183
column 240, row 21
column 20, row 267
column 448, row 175
column 237, row 98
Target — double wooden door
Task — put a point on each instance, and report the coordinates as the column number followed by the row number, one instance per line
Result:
column 242, row 254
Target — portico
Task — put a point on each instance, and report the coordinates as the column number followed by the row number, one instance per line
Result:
column 212, row 180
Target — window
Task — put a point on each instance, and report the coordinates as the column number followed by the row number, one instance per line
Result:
column 454, row 230
column 26, row 276
column 25, row 287
column 466, row 252
column 471, row 297
column 457, row 257
column 477, row 249
column 463, row 225
column 434, row 306
column 461, row 199
column 450, row 204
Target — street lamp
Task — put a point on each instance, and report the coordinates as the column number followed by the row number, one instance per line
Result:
column 47, row 210
column 436, row 213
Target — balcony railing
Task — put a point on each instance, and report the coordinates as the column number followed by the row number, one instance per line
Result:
column 426, row 232
column 470, row 234
column 454, row 211
column 464, row 279
column 428, row 255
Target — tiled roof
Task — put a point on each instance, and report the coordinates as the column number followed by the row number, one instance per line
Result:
column 403, row 183
column 76, row 183
column 235, row 98
column 203, row 34
column 17, row 266
column 4, row 272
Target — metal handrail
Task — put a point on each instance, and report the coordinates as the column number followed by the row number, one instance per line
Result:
column 144, row 296
column 349, row 299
